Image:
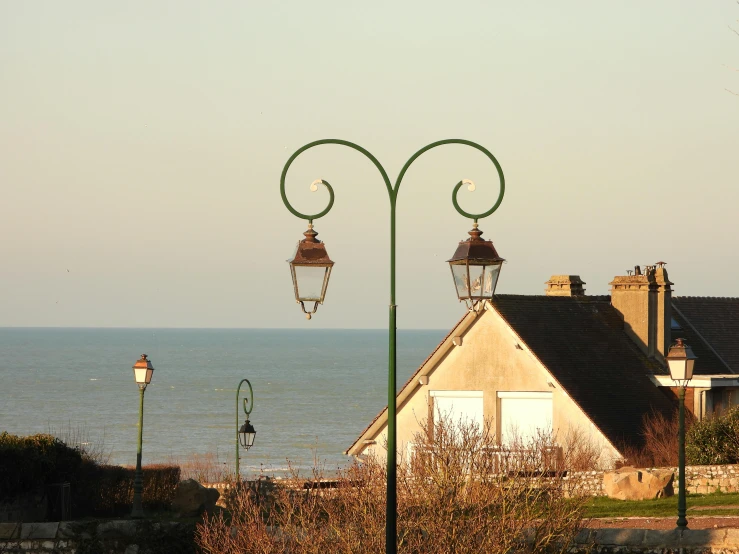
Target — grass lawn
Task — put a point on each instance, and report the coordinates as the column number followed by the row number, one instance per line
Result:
column 663, row 507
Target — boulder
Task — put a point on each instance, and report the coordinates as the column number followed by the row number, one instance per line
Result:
column 192, row 499
column 629, row 483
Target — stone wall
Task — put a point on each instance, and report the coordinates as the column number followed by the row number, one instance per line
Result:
column 109, row 537
column 699, row 480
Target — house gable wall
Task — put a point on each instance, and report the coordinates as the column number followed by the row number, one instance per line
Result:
column 490, row 359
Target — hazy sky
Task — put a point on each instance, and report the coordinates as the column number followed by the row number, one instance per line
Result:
column 141, row 145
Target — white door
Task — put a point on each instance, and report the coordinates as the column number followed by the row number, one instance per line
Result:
column 524, row 416
column 459, row 407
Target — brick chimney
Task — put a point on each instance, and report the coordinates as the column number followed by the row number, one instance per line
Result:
column 664, row 309
column 565, row 285
column 644, row 299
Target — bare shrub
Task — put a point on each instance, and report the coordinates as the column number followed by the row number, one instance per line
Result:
column 204, row 468
column 91, row 449
column 660, row 441
column 579, row 451
column 460, row 493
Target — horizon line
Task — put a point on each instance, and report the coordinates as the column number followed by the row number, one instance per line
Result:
column 220, row 328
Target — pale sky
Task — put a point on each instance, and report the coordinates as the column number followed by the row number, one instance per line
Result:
column 141, row 145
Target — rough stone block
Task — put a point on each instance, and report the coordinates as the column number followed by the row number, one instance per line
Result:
column 731, row 538
column 660, row 538
column 619, row 537
column 629, row 483
column 35, row 531
column 117, row 529
column 9, row 531
column 701, row 537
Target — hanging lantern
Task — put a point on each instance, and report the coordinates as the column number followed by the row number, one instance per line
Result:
column 247, row 434
column 310, row 268
column 475, row 268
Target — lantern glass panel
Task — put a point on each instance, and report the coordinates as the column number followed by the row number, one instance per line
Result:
column 461, row 280
column 681, row 369
column 309, row 281
column 139, row 374
column 492, row 272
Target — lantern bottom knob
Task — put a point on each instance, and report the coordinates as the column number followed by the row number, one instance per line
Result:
column 308, row 316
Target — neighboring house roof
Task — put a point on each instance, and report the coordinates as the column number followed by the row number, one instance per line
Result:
column 714, row 324
column 581, row 341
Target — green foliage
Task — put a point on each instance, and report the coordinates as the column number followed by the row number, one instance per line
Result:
column 714, row 440
column 602, row 506
column 27, row 463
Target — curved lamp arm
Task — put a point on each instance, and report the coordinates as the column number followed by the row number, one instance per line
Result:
column 392, row 191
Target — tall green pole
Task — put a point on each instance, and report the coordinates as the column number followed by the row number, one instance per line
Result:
column 682, row 521
column 391, row 546
column 138, row 481
column 248, row 406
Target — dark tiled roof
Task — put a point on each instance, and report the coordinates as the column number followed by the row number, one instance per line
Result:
column 581, row 341
column 716, row 320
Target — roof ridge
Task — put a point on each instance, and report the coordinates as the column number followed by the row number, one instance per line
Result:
column 708, row 297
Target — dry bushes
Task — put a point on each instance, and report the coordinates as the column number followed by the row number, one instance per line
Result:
column 460, row 493
column 107, row 491
column 660, row 441
column 205, row 468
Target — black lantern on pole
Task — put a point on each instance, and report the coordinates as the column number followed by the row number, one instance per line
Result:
column 475, row 268
column 247, row 434
column 310, row 268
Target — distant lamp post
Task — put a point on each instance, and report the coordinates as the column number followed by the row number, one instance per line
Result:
column 142, row 373
column 681, row 360
column 310, row 268
column 475, row 267
column 245, row 434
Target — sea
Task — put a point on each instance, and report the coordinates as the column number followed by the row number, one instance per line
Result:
column 314, row 390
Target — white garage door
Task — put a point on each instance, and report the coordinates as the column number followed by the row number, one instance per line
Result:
column 524, row 416
column 459, row 407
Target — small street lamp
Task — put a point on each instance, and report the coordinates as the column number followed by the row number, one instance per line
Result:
column 310, row 268
column 245, row 434
column 142, row 373
column 681, row 360
column 475, row 268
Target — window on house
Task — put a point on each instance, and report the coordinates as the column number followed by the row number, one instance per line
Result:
column 458, row 407
column 674, row 325
column 525, row 418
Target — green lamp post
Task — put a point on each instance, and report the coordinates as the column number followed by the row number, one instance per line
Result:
column 475, row 268
column 245, row 434
column 142, row 373
column 681, row 360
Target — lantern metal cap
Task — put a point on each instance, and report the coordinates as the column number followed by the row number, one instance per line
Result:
column 476, row 249
column 680, row 351
column 143, row 363
column 311, row 251
column 247, row 427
